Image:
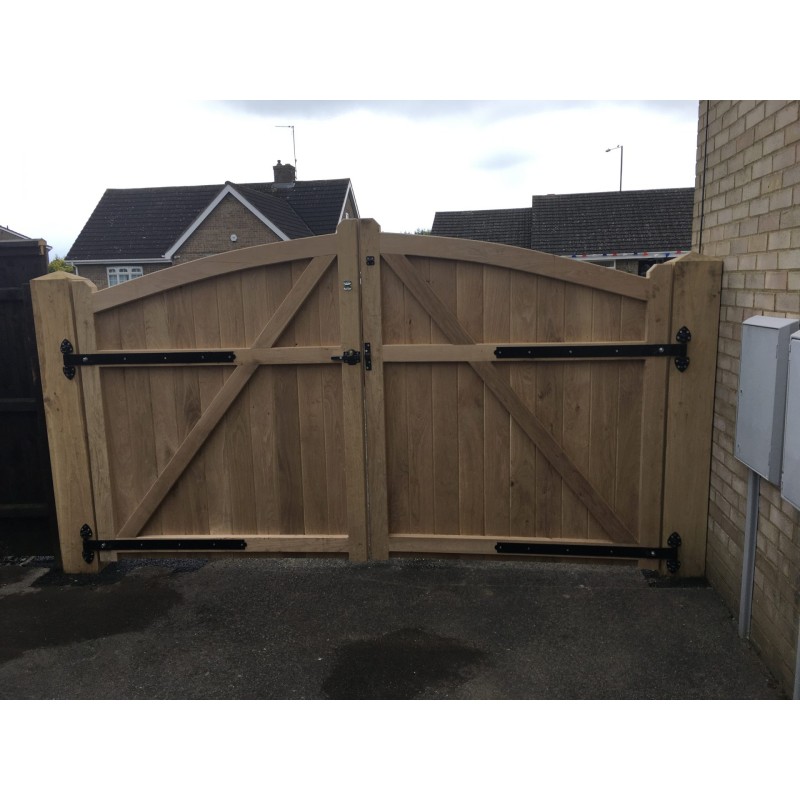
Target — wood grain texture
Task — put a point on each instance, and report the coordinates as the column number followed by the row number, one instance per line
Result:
column 222, row 401
column 526, row 419
column 54, row 319
column 690, row 406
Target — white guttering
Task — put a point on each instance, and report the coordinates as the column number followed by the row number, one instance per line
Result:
column 87, row 262
column 616, row 256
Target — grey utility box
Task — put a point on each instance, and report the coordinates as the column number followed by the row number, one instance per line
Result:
column 790, row 481
column 762, row 394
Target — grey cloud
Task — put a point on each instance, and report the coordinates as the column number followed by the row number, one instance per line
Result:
column 497, row 161
column 486, row 110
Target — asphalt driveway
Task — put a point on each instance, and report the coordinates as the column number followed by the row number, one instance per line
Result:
column 298, row 628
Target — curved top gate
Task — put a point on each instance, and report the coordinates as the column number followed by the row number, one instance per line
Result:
column 370, row 394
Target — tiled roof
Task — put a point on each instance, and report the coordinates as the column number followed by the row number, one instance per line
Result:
column 276, row 210
column 318, row 203
column 606, row 222
column 568, row 224
column 502, row 225
column 146, row 223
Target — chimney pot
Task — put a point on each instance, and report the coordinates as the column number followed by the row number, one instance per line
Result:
column 284, row 173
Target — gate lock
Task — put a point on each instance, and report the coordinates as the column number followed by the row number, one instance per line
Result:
column 348, row 357
column 354, row 357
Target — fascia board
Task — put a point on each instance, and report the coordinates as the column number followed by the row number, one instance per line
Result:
column 348, row 193
column 227, row 190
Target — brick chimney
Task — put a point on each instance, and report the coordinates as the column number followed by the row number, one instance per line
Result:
column 284, row 173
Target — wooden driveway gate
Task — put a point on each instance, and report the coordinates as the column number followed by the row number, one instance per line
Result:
column 369, row 394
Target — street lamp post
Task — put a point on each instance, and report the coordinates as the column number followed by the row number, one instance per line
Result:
column 620, row 148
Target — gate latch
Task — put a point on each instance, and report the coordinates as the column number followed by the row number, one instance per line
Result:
column 348, row 357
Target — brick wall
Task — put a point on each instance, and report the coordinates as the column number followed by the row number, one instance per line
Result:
column 214, row 235
column 748, row 152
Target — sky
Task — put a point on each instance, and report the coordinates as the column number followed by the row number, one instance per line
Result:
column 406, row 159
column 432, row 105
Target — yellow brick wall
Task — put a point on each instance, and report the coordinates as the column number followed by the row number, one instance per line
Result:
column 748, row 151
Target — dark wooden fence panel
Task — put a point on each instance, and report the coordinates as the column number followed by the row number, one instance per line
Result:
column 27, row 515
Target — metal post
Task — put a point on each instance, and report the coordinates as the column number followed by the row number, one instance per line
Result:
column 749, row 554
column 621, row 150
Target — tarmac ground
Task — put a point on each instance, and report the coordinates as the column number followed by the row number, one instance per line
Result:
column 301, row 628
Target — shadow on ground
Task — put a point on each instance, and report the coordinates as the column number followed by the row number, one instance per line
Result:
column 403, row 629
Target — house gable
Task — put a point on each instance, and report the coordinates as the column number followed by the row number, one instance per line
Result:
column 229, row 224
column 7, row 235
column 153, row 227
column 210, row 225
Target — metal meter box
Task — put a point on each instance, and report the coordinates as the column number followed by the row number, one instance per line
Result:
column 790, row 481
column 762, row 394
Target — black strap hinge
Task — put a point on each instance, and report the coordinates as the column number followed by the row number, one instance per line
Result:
column 90, row 545
column 669, row 554
column 140, row 359
column 614, row 350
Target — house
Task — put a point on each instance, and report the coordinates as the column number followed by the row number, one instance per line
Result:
column 7, row 235
column 629, row 231
column 133, row 232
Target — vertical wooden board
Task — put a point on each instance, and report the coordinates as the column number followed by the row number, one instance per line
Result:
column 279, row 283
column 306, row 315
column 690, row 409
column 66, row 429
column 522, row 502
column 633, row 320
column 263, row 426
column 239, row 513
column 144, row 467
column 180, row 319
column 469, row 310
column 312, row 447
column 333, row 416
column 396, row 421
column 576, row 407
column 444, row 398
column 205, row 314
column 349, row 262
column 654, row 398
column 497, row 428
column 120, row 449
column 106, row 328
column 262, row 295
column 419, row 407
column 392, row 307
column 255, row 302
column 170, row 517
column 94, row 407
column 396, row 448
column 629, row 438
column 629, row 432
column 332, row 408
column 373, row 268
column 289, row 471
column 549, row 407
column 605, row 405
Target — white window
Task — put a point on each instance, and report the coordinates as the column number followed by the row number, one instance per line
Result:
column 121, row 274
